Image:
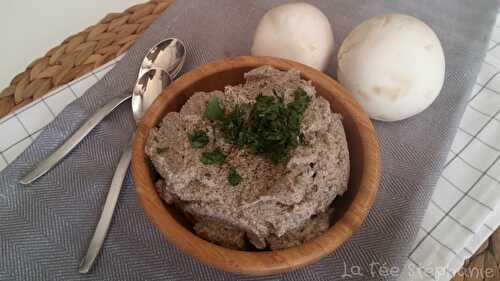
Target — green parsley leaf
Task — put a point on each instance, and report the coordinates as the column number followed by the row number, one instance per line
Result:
column 271, row 128
column 302, row 139
column 232, row 127
column 233, row 177
column 198, row 139
column 301, row 101
column 274, row 128
column 213, row 157
column 161, row 150
column 214, row 110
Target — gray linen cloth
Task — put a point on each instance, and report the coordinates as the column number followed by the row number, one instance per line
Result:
column 46, row 227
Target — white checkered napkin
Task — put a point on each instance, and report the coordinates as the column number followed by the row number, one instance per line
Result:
column 20, row 128
column 463, row 211
column 465, row 207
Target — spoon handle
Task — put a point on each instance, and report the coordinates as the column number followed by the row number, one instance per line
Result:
column 108, row 210
column 48, row 163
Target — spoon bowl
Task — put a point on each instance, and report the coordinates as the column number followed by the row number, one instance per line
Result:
column 149, row 86
column 162, row 63
column 168, row 55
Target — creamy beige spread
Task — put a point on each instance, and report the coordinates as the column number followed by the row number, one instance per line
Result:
column 275, row 206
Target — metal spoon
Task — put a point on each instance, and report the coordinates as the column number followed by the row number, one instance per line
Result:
column 168, row 55
column 149, row 86
column 165, row 57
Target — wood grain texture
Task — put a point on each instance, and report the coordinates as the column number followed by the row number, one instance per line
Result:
column 351, row 208
column 484, row 265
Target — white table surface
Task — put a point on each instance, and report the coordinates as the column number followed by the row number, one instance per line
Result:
column 29, row 28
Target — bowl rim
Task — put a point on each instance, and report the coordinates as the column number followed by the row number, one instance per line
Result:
column 251, row 262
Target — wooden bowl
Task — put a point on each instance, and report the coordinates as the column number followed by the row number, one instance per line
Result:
column 351, row 208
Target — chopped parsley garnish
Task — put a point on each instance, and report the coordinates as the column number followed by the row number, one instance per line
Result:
column 233, row 177
column 232, row 127
column 214, row 110
column 213, row 157
column 274, row 128
column 270, row 128
column 161, row 149
column 302, row 139
column 198, row 139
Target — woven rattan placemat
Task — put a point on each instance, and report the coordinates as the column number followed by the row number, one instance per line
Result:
column 80, row 53
column 112, row 36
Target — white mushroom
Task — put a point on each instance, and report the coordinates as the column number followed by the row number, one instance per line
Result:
column 393, row 65
column 295, row 31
